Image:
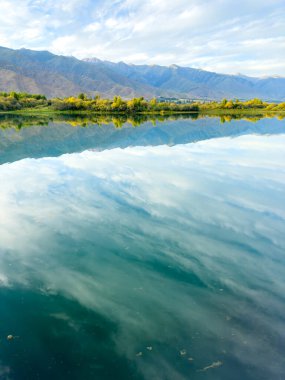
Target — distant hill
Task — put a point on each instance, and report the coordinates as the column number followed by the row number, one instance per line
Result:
column 57, row 76
column 195, row 83
column 53, row 75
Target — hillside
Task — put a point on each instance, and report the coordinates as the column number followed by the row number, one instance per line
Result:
column 52, row 75
column 196, row 83
column 58, row 76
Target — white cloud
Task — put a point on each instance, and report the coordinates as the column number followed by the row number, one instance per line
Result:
column 93, row 27
column 216, row 35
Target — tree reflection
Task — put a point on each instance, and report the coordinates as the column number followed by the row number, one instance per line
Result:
column 118, row 121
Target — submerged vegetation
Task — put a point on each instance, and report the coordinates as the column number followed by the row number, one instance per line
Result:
column 18, row 102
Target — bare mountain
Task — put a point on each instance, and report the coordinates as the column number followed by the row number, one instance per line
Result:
column 53, row 75
column 195, row 83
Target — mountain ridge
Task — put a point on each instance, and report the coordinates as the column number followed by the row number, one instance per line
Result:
column 54, row 75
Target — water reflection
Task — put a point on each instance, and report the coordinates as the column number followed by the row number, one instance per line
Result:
column 175, row 249
column 83, row 120
column 22, row 137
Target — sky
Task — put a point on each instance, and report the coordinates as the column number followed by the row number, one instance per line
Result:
column 227, row 36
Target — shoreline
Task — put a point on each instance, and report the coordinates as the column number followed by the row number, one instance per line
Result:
column 205, row 112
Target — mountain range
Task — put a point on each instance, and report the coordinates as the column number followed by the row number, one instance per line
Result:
column 58, row 76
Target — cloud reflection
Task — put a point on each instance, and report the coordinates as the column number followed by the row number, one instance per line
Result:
column 175, row 246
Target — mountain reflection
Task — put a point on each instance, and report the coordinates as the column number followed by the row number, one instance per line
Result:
column 35, row 137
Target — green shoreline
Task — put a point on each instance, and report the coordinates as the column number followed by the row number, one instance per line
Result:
column 26, row 108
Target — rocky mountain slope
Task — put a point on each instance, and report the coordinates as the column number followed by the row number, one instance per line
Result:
column 57, row 76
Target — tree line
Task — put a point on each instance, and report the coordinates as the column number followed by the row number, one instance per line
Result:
column 14, row 101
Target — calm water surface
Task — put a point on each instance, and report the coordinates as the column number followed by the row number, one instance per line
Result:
column 154, row 252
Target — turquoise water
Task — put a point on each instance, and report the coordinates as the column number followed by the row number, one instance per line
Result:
column 154, row 252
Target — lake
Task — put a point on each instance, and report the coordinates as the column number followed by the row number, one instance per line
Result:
column 142, row 250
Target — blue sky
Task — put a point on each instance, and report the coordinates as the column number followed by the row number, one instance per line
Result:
column 246, row 36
